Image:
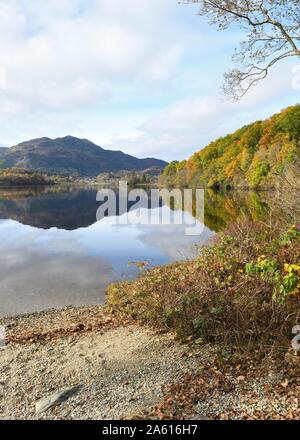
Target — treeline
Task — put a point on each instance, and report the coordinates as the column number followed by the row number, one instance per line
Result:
column 133, row 178
column 18, row 177
column 258, row 155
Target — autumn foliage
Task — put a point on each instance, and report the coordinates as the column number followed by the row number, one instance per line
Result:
column 243, row 290
column 255, row 156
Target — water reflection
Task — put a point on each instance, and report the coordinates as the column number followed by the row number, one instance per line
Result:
column 221, row 209
column 53, row 252
column 62, row 208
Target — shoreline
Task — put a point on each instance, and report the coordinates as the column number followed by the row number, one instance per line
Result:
column 116, row 369
column 55, row 323
column 85, row 184
column 52, row 310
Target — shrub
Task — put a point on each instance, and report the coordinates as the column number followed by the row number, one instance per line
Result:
column 243, row 290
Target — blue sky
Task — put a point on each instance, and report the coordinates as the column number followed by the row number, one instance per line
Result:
column 138, row 75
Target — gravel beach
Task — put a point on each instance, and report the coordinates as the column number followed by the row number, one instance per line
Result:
column 114, row 370
column 88, row 364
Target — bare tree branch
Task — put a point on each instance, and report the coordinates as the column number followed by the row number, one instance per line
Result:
column 272, row 34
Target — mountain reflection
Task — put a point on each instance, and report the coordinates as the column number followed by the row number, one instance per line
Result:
column 54, row 253
column 73, row 208
column 67, row 208
column 61, row 208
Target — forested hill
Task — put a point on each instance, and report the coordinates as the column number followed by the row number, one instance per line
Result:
column 259, row 155
column 71, row 156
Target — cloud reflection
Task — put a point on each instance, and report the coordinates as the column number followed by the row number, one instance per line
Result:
column 41, row 269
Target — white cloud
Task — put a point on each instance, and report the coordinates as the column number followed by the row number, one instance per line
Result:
column 56, row 58
column 190, row 124
column 137, row 75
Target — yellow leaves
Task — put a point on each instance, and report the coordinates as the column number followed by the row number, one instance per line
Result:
column 292, row 268
column 230, row 169
column 253, row 155
column 261, row 258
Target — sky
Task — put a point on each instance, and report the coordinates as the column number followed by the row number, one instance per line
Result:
column 140, row 76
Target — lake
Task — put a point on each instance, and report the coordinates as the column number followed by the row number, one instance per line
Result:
column 55, row 253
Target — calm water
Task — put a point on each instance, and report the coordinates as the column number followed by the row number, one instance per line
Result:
column 54, row 253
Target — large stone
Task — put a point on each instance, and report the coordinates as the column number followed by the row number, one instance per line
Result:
column 55, row 398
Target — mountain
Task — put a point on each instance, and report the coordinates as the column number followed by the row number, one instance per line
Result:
column 70, row 155
column 260, row 155
column 3, row 151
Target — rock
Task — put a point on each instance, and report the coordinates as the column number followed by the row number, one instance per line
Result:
column 240, row 378
column 57, row 397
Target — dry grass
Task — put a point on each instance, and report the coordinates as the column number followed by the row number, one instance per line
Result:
column 216, row 297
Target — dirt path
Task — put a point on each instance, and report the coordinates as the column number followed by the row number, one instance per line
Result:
column 117, row 370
